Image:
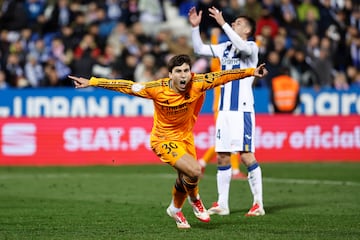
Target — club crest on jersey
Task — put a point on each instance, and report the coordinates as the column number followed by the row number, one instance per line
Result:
column 137, row 87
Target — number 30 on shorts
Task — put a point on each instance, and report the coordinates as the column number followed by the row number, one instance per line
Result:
column 169, row 146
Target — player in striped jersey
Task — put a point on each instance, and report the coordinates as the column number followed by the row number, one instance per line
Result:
column 177, row 101
column 210, row 152
column 235, row 125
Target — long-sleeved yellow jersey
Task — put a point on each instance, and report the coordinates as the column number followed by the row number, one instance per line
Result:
column 174, row 113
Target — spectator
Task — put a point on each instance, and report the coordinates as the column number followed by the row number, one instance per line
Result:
column 326, row 16
column 104, row 63
column 267, row 23
column 68, row 37
column 57, row 15
column 305, row 9
column 92, row 12
column 179, row 43
column 14, row 71
column 3, row 83
column 61, row 60
column 51, row 78
column 278, row 44
column 118, row 37
column 78, row 25
column 353, row 76
column 300, row 69
column 273, row 64
column 34, row 9
column 152, row 14
column 356, row 81
column 84, row 56
column 131, row 12
column 253, row 9
column 40, row 50
column 323, row 68
column 313, row 48
column 104, row 23
column 355, row 51
column 125, row 65
column 340, row 81
column 144, row 40
column 13, row 15
column 144, row 70
column 113, row 10
column 288, row 21
column 34, row 71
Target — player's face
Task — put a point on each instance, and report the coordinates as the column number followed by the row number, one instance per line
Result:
column 180, row 77
column 240, row 26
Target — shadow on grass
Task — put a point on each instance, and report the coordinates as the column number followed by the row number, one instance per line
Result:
column 271, row 209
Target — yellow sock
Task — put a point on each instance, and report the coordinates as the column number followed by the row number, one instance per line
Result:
column 178, row 197
column 191, row 186
column 209, row 154
column 235, row 163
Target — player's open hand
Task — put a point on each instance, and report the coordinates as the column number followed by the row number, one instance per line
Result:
column 217, row 15
column 261, row 71
column 194, row 18
column 80, row 82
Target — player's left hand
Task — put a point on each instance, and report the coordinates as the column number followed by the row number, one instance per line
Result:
column 217, row 15
column 261, row 71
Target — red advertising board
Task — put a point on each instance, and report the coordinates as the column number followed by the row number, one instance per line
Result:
column 125, row 140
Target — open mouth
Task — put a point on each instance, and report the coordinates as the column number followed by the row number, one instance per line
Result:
column 182, row 84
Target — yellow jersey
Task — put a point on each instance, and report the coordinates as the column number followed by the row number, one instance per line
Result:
column 174, row 113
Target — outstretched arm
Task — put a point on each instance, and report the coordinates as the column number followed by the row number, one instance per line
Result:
column 213, row 79
column 119, row 85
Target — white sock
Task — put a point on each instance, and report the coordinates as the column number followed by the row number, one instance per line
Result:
column 223, row 185
column 235, row 171
column 173, row 208
column 255, row 183
column 202, row 162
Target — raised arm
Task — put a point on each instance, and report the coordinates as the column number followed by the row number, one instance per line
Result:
column 238, row 42
column 199, row 46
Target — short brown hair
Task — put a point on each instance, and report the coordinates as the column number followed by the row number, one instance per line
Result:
column 178, row 60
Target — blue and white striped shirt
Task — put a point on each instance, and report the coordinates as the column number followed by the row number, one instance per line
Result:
column 236, row 53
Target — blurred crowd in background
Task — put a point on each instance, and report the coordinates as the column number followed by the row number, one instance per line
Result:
column 42, row 42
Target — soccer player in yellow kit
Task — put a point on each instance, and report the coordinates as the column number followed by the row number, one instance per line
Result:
column 177, row 101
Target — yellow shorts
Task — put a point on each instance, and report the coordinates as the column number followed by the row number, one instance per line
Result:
column 171, row 151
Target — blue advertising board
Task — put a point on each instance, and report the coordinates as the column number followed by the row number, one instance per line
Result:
column 94, row 102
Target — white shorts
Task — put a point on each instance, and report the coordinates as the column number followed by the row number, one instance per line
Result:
column 235, row 131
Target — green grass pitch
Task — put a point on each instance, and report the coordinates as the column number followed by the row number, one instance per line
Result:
column 302, row 201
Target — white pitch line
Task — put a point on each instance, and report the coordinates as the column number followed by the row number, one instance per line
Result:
column 310, row 181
